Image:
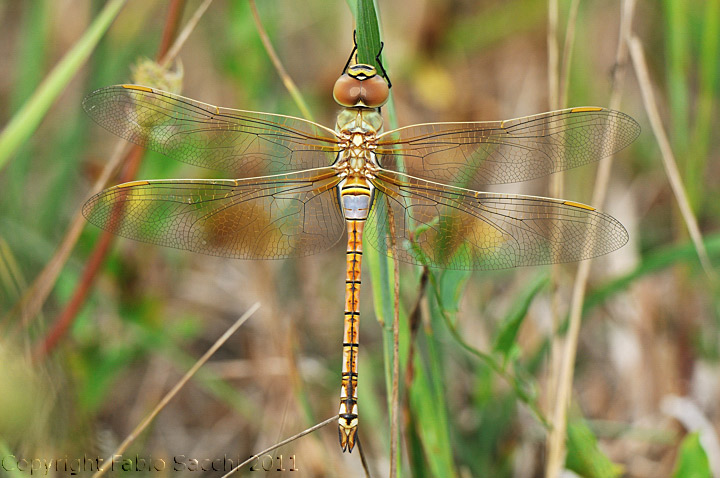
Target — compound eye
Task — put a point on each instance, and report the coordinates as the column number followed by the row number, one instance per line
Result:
column 375, row 92
column 347, row 91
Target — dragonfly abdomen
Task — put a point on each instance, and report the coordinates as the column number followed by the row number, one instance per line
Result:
column 348, row 414
column 355, row 196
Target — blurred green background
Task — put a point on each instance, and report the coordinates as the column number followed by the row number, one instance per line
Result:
column 647, row 371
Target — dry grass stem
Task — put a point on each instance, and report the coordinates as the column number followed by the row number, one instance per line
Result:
column 671, row 169
column 558, row 86
column 181, row 383
column 287, row 81
column 394, row 394
column 553, row 82
column 279, row 444
column 363, row 459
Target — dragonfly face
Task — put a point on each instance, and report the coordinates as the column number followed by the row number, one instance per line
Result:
column 360, row 85
column 297, row 186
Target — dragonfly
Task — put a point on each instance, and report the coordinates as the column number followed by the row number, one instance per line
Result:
column 295, row 187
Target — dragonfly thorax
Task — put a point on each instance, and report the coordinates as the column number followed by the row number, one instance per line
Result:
column 358, row 129
column 352, row 120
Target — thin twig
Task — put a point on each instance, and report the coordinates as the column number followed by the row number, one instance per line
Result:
column 184, row 34
column 279, row 444
column 171, row 394
column 287, row 81
column 556, row 440
column 671, row 169
column 363, row 460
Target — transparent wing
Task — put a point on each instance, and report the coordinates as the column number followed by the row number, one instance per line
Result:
column 453, row 228
column 259, row 218
column 243, row 143
column 470, row 155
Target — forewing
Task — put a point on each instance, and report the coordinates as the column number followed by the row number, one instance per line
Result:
column 452, row 228
column 260, row 218
column 471, row 155
column 243, row 143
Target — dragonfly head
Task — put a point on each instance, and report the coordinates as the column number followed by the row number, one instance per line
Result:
column 360, row 85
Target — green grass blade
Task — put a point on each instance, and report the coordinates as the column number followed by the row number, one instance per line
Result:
column 428, row 404
column 584, row 457
column 24, row 123
column 692, row 461
column 505, row 339
column 368, row 33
